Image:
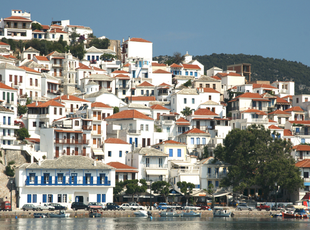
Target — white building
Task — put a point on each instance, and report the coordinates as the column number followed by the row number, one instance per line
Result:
column 115, row 150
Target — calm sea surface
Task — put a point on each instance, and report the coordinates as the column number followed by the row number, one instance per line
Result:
column 156, row 223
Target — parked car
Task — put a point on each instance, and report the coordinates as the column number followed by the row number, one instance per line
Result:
column 244, row 206
column 5, row 206
column 190, row 207
column 136, row 206
column 111, row 206
column 125, row 206
column 203, row 207
column 58, row 206
column 79, row 205
column 278, row 207
column 27, row 207
column 45, row 207
column 95, row 205
column 263, row 206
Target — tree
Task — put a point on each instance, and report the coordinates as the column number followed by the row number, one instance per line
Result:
column 36, row 26
column 78, row 51
column 29, row 101
column 188, row 83
column 100, row 43
column 211, row 192
column 107, row 57
column 161, row 187
column 186, row 188
column 205, row 153
column 115, row 109
column 176, row 58
column 9, row 170
column 134, row 187
column 73, row 37
column 256, row 158
column 21, row 109
column 187, row 111
column 22, row 133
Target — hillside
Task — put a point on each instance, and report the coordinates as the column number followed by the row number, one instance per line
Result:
column 262, row 68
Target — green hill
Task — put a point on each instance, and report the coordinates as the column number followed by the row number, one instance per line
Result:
column 262, row 68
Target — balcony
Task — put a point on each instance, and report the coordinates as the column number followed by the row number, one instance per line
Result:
column 167, row 122
column 235, row 108
column 87, row 127
column 57, row 92
column 95, row 133
column 133, row 131
column 67, row 181
column 156, row 166
column 123, row 86
column 216, row 175
column 9, row 126
column 188, row 171
column 71, row 141
column 57, row 65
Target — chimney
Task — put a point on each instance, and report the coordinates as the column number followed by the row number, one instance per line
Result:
column 68, row 96
column 128, row 38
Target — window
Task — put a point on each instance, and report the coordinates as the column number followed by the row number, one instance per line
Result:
column 3, row 96
column 146, row 127
column 147, row 162
column 170, row 152
column 192, row 140
column 4, row 120
column 184, row 100
column 130, row 140
column 109, row 153
column 44, row 198
column 216, row 183
column 198, row 141
column 55, row 111
column 30, row 81
column 10, row 78
column 142, row 92
column 28, row 198
column 9, row 120
column 297, row 100
column 60, row 177
column 186, row 72
column 306, row 174
column 136, row 142
column 141, row 127
column 210, row 98
column 12, row 97
column 168, row 129
column 60, row 111
column 36, row 82
column 203, row 141
column 193, row 100
column 124, row 92
column 120, row 153
column 50, row 198
column 77, row 123
column 179, row 152
column 4, row 132
column 59, row 198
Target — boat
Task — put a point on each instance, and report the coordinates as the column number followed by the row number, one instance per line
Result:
column 94, row 214
column 221, row 212
column 170, row 213
column 60, row 214
column 141, row 213
column 299, row 213
column 191, row 214
column 39, row 215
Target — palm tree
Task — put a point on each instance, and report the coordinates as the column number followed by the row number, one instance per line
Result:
column 186, row 112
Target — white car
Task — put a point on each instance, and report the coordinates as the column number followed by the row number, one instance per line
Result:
column 45, row 207
column 125, row 206
column 136, row 206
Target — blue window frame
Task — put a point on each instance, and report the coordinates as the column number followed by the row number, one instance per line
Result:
column 186, row 72
column 203, row 141
column 297, row 130
column 179, row 152
column 192, row 140
column 9, row 142
column 9, row 120
column 193, row 100
column 4, row 132
column 133, row 74
column 103, row 198
column 109, row 153
column 120, row 154
column 130, row 140
column 97, row 58
column 88, row 57
column 4, row 120
column 302, row 140
column 198, row 141
column 191, row 73
column 28, row 198
column 34, row 198
column 209, row 170
column 136, row 142
column 170, row 152
column 142, row 92
column 40, row 35
column 195, row 74
column 99, row 198
column 216, row 183
column 44, row 198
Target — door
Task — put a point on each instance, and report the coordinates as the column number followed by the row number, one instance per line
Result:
column 198, row 124
column 57, row 137
column 76, row 150
column 57, row 152
column 84, row 151
column 71, row 108
column 84, row 138
column 143, row 142
column 68, row 151
column 76, row 138
column 99, row 129
column 99, row 115
column 158, row 116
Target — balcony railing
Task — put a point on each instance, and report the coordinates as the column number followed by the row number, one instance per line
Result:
column 134, row 131
column 71, row 141
column 67, row 181
column 156, row 166
column 188, row 171
column 86, row 127
column 167, row 122
column 216, row 175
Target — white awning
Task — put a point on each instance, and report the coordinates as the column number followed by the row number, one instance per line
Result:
column 98, row 152
column 156, row 172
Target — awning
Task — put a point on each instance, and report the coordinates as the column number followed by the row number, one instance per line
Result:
column 156, row 172
column 98, row 152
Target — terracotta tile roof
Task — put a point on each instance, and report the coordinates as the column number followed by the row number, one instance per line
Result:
column 158, row 64
column 189, row 66
column 17, row 18
column 45, row 27
column 229, row 74
column 263, row 86
column 129, row 114
column 4, row 86
column 161, row 71
column 71, row 98
column 272, row 121
column 295, row 109
column 145, row 84
column 159, row 107
column 57, row 31
column 258, row 112
column 67, row 131
column 41, row 58
column 289, row 96
column 305, row 163
column 287, row 132
column 34, row 140
column 28, row 69
column 119, row 71
column 126, row 65
column 38, row 31
column 210, row 90
column 279, row 112
column 34, row 104
column 3, row 44
column 138, row 40
column 50, row 103
column 247, row 95
column 176, row 66
column 170, row 142
column 204, row 112
column 100, row 104
column 164, row 84
column 302, row 147
column 119, row 165
column 82, row 66
column 216, row 77
column 142, row 98
column 98, row 69
column 300, row 122
column 182, row 121
column 9, row 56
column 55, row 25
column 194, row 130
column 273, row 127
column 281, row 100
column 122, row 76
column 115, row 141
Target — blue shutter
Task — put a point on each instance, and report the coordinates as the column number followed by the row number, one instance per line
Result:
column 192, row 140
column 44, row 198
column 130, row 140
column 98, row 198
column 34, row 198
column 170, row 152
column 198, row 141
column 297, row 130
column 195, row 74
column 120, row 153
column 216, row 183
column 64, row 180
column 52, row 198
column 203, row 141
column 103, row 198
column 29, row 198
column 91, row 180
column 136, row 140
column 179, row 152
column 98, row 180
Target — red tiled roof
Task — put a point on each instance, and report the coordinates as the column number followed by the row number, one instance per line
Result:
column 50, row 103
column 9, row 56
column 34, row 140
column 41, row 58
column 176, row 66
column 3, row 44
column 82, row 66
column 138, row 40
column 279, row 112
column 34, row 104
column 287, row 132
column 100, row 104
column 216, row 77
column 57, row 31
column 158, row 64
column 146, row 84
column 258, row 112
column 204, row 112
column 17, row 18
column 305, row 163
column 4, row 86
column 119, row 165
column 122, row 76
column 210, row 90
column 142, row 98
column 300, row 122
column 28, row 69
column 38, row 31
column 271, row 121
column 263, row 86
column 170, row 142
column 55, row 25
column 98, row 69
column 273, row 127
column 71, row 98
column 126, row 65
column 161, row 71
column 182, row 121
column 164, row 84
column 129, row 114
column 45, row 27
column 229, row 74
column 194, row 130
column 247, row 95
column 289, row 96
column 302, row 147
column 189, row 66
column 294, row 109
column 159, row 107
column 281, row 100
column 115, row 141
column 119, row 71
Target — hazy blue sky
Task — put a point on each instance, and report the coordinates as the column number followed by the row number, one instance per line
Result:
column 270, row 28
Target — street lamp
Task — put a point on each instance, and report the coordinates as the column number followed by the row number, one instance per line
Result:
column 11, row 180
column 150, row 195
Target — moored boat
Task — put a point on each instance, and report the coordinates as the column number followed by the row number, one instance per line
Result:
column 141, row 213
column 170, row 213
column 39, row 215
column 191, row 214
column 299, row 213
column 94, row 214
column 221, row 212
column 60, row 214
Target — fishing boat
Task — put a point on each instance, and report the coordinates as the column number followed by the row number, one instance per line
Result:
column 39, row 215
column 221, row 212
column 191, row 214
column 60, row 214
column 94, row 214
column 299, row 213
column 170, row 213
column 141, row 213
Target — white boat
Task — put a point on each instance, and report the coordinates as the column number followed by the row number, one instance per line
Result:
column 141, row 213
column 170, row 213
column 61, row 214
column 191, row 214
column 221, row 212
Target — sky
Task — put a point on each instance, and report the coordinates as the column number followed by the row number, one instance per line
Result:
column 269, row 28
